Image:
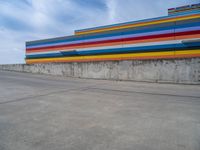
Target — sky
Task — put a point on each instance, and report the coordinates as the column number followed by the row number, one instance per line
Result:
column 27, row 20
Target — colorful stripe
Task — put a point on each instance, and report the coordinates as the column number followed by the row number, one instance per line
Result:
column 151, row 46
column 131, row 33
column 137, row 56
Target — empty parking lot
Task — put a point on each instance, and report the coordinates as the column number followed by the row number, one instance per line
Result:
column 39, row 112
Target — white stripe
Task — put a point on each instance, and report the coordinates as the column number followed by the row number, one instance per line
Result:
column 49, row 52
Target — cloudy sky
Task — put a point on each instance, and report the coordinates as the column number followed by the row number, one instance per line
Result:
column 26, row 20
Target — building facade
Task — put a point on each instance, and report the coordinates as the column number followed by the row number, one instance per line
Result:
column 176, row 35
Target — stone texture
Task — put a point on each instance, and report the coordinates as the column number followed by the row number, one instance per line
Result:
column 171, row 70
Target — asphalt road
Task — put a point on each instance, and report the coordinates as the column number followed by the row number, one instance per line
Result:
column 40, row 112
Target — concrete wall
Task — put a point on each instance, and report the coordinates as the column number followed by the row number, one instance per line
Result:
column 171, row 70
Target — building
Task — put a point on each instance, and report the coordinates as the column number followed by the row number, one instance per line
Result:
column 176, row 35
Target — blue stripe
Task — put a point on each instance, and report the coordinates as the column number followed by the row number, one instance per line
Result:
column 71, row 53
column 44, row 55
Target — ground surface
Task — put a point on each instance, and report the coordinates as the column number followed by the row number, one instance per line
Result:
column 55, row 113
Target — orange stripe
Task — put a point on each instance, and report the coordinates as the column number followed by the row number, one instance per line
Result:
column 187, row 37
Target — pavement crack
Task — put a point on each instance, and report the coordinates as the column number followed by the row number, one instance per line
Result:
column 148, row 93
column 46, row 94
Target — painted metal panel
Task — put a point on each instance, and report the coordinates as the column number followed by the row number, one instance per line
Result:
column 173, row 36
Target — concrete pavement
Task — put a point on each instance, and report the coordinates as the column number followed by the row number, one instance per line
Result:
column 39, row 112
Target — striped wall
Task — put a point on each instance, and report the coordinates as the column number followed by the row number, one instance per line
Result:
column 174, row 36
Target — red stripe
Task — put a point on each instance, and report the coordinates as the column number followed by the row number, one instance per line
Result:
column 118, row 40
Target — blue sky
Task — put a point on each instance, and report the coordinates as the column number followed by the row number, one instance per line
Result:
column 26, row 20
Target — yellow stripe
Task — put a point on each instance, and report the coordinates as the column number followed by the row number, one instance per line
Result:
column 115, row 56
column 136, row 25
column 189, row 52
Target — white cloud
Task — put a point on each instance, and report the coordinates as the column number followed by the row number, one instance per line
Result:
column 130, row 10
column 42, row 19
column 112, row 14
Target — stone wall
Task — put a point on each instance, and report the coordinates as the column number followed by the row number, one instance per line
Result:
column 170, row 70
